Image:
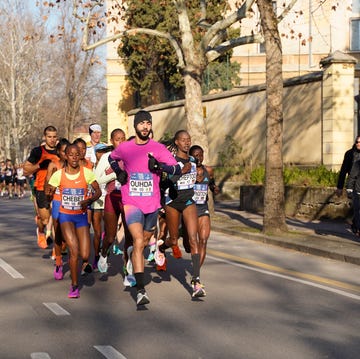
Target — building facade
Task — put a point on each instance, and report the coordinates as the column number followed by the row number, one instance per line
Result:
column 311, row 31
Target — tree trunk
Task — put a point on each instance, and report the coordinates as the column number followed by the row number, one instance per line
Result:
column 274, row 198
column 196, row 125
column 192, row 73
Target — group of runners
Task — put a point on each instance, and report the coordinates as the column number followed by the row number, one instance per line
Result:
column 12, row 179
column 136, row 193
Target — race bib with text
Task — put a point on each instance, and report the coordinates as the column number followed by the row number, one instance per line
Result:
column 141, row 185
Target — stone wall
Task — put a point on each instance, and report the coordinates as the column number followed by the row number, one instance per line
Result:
column 308, row 202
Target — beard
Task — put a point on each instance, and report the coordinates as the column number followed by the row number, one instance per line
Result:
column 141, row 136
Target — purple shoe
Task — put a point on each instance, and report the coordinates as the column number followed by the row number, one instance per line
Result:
column 58, row 273
column 74, row 292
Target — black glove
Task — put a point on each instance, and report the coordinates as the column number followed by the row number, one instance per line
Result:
column 122, row 177
column 44, row 164
column 153, row 164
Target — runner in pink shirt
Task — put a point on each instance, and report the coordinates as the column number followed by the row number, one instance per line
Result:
column 144, row 159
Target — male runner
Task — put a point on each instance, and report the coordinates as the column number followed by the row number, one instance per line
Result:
column 38, row 162
column 140, row 189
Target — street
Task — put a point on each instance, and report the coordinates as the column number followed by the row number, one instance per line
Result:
column 262, row 302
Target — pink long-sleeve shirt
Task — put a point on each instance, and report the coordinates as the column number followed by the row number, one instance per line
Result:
column 142, row 188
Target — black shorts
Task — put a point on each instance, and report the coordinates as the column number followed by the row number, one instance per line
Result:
column 9, row 180
column 202, row 210
column 41, row 200
column 21, row 182
column 184, row 199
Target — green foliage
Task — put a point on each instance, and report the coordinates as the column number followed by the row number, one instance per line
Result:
column 313, row 177
column 221, row 75
column 150, row 60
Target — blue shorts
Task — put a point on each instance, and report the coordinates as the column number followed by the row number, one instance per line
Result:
column 55, row 209
column 79, row 220
column 135, row 215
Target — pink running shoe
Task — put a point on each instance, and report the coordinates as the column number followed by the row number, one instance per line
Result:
column 74, row 292
column 159, row 256
column 58, row 273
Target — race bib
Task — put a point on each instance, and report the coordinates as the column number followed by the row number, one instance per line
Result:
column 187, row 180
column 141, row 185
column 71, row 198
column 200, row 193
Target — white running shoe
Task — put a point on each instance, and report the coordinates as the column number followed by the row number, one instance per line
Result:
column 142, row 297
column 152, row 247
column 102, row 264
column 129, row 281
column 159, row 256
column 129, row 266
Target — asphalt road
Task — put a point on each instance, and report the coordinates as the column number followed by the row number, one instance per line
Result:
column 262, row 302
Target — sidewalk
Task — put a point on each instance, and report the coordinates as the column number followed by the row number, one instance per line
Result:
column 327, row 238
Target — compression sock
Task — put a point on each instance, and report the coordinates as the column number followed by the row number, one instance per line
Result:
column 195, row 258
column 139, row 277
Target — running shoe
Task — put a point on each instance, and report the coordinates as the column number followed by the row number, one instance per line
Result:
column 129, row 281
column 129, row 266
column 58, row 272
column 159, row 256
column 176, row 251
column 198, row 289
column 86, row 268
column 151, row 256
column 142, row 297
column 41, row 239
column 74, row 292
column 102, row 264
column 163, row 267
column 116, row 250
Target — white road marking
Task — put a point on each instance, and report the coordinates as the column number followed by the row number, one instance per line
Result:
column 109, row 352
column 302, row 281
column 56, row 309
column 10, row 270
column 40, row 355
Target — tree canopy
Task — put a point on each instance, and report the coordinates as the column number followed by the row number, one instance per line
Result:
column 152, row 61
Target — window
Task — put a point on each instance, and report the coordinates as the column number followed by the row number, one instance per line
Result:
column 355, row 35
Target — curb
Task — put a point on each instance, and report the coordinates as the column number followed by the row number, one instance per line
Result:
column 295, row 244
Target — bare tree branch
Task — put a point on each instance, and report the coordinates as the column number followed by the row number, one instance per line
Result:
column 216, row 52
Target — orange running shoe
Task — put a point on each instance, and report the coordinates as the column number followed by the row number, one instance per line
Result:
column 162, row 268
column 176, row 251
column 41, row 239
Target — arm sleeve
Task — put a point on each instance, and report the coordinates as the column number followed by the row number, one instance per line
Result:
column 114, row 165
column 100, row 171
